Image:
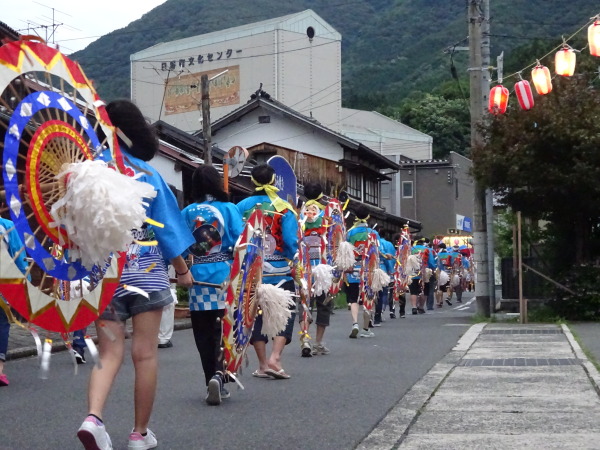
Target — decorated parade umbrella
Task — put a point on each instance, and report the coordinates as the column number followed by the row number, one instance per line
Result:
column 401, row 272
column 241, row 295
column 336, row 239
column 368, row 271
column 56, row 138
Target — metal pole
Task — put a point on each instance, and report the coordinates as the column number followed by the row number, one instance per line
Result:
column 477, row 16
column 522, row 301
column 204, row 87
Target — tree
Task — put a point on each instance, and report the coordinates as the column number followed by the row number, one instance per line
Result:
column 445, row 120
column 546, row 163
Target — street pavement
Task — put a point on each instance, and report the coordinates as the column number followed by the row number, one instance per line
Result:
column 331, row 402
column 427, row 381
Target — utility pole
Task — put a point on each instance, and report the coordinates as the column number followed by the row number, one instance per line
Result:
column 478, row 15
column 489, row 196
column 206, row 132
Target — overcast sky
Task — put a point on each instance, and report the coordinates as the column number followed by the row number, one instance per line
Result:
column 82, row 21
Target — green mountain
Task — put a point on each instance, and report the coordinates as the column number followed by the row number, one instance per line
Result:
column 390, row 48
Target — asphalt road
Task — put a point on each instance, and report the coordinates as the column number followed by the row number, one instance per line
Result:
column 588, row 334
column 331, row 402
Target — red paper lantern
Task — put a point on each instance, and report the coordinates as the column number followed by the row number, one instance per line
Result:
column 594, row 38
column 540, row 75
column 564, row 61
column 498, row 100
column 524, row 95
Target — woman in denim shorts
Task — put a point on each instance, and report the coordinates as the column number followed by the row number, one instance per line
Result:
column 143, row 291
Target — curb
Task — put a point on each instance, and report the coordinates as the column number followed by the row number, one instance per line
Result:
column 393, row 428
column 24, row 352
column 590, row 369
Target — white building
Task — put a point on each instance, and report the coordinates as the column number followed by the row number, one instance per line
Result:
column 296, row 58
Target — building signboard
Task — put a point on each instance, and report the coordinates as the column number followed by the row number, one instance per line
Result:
column 182, row 93
column 464, row 223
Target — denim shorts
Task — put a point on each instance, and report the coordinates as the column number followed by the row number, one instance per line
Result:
column 288, row 333
column 122, row 308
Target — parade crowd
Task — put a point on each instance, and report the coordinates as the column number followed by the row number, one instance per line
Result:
column 307, row 254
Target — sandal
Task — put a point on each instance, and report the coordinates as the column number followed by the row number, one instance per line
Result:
column 277, row 374
column 257, row 374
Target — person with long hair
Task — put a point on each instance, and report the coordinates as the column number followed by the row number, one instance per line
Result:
column 281, row 245
column 216, row 224
column 143, row 292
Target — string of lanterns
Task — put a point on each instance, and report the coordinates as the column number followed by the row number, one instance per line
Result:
column 564, row 65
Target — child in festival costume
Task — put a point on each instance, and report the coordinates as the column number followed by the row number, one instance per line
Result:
column 460, row 266
column 11, row 238
column 281, row 244
column 444, row 267
column 314, row 232
column 357, row 236
column 387, row 262
column 145, row 289
column 211, row 218
column 419, row 286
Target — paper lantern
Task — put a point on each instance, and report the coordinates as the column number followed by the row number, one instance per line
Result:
column 594, row 38
column 498, row 100
column 542, row 80
column 524, row 95
column 565, row 62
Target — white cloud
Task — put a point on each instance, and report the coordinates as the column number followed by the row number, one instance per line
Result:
column 80, row 22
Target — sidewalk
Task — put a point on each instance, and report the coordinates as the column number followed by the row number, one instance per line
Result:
column 502, row 386
column 21, row 342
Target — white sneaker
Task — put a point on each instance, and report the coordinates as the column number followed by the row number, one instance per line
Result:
column 367, row 334
column 320, row 349
column 93, row 435
column 139, row 442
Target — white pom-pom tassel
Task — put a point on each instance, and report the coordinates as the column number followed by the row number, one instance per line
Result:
column 345, row 257
column 275, row 304
column 323, row 278
column 380, row 280
column 455, row 280
column 428, row 273
column 99, row 208
column 443, row 278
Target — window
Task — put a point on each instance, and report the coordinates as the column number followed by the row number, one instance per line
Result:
column 386, row 190
column 372, row 192
column 261, row 157
column 353, row 180
column 407, row 189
